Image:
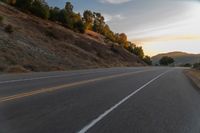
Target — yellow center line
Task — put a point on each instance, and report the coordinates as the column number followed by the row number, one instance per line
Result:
column 45, row 90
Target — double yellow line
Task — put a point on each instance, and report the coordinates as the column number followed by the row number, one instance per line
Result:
column 45, row 90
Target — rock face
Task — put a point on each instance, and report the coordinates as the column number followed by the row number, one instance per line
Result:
column 41, row 45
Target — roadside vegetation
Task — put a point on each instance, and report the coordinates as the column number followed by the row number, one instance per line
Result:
column 66, row 16
column 186, row 65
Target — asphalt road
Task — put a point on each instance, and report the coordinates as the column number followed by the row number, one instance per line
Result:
column 117, row 100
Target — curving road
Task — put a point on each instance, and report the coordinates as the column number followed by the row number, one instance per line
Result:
column 117, row 100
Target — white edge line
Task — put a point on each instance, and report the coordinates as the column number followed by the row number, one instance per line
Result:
column 99, row 118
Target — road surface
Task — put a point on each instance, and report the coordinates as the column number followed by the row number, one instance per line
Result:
column 117, row 100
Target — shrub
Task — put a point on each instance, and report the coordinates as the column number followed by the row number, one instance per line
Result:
column 114, row 49
column 1, row 19
column 9, row 29
column 31, row 67
column 186, row 65
column 50, row 34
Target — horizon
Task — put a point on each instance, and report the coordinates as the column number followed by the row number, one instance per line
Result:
column 176, row 52
column 158, row 26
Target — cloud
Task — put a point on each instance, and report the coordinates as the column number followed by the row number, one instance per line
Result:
column 172, row 38
column 114, row 1
column 111, row 18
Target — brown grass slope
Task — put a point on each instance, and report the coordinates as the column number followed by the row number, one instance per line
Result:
column 41, row 45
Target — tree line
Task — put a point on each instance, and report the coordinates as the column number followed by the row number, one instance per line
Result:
column 89, row 20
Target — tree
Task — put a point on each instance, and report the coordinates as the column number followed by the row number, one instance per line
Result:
column 24, row 4
column 69, row 15
column 122, row 38
column 62, row 17
column 147, row 60
column 40, row 9
column 165, row 61
column 108, row 33
column 69, row 7
column 88, row 18
column 54, row 13
column 99, row 23
column 11, row 2
column 78, row 24
column 139, row 52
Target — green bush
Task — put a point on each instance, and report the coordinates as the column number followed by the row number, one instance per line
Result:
column 9, row 29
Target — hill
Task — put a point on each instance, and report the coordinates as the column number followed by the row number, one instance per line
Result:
column 179, row 57
column 35, row 44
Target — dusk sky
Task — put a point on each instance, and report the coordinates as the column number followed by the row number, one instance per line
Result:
column 158, row 25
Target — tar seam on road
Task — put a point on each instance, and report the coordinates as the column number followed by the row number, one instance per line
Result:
column 100, row 117
column 45, row 90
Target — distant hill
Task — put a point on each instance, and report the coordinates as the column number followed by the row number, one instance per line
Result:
column 179, row 57
column 41, row 45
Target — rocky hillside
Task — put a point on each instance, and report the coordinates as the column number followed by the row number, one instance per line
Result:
column 32, row 44
column 179, row 57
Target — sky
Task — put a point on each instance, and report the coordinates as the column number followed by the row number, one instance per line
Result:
column 159, row 26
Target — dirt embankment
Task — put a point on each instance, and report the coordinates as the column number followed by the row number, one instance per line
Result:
column 194, row 75
column 41, row 45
